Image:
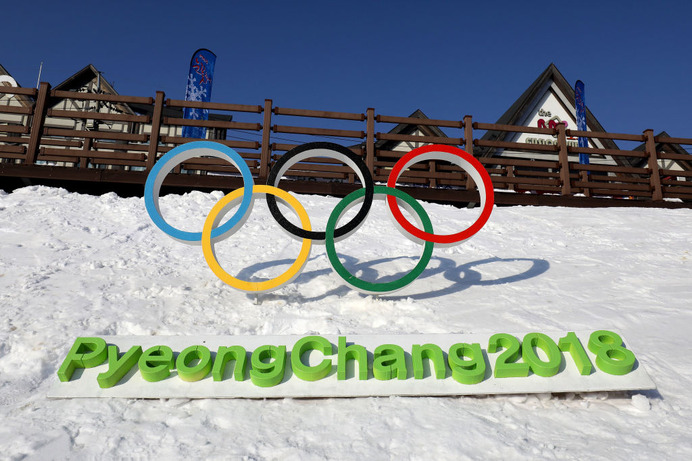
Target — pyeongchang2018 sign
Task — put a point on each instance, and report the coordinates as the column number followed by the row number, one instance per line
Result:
column 330, row 366
column 353, row 366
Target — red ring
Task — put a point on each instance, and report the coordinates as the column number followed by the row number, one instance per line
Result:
column 435, row 238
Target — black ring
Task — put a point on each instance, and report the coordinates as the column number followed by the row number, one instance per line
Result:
column 340, row 153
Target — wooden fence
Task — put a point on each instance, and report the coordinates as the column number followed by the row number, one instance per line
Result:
column 67, row 137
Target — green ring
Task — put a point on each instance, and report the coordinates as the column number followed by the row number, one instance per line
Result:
column 371, row 287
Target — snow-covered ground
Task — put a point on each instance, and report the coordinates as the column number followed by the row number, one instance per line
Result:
column 76, row 265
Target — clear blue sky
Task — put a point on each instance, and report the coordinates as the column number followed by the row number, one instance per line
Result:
column 448, row 58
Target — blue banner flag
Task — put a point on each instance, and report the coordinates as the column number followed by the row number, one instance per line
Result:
column 199, row 82
column 581, row 119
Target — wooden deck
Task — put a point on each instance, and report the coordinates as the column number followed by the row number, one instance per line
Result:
column 97, row 142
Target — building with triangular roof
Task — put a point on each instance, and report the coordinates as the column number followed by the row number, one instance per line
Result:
column 87, row 80
column 548, row 101
column 15, row 113
column 65, row 112
column 6, row 79
column 671, row 165
column 410, row 129
column 16, row 100
column 90, row 80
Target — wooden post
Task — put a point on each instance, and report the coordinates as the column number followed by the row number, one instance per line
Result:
column 468, row 145
column 155, row 130
column 266, row 154
column 370, row 140
column 511, row 174
column 432, row 168
column 84, row 160
column 37, row 123
column 468, row 134
column 564, row 160
column 655, row 178
column 584, row 177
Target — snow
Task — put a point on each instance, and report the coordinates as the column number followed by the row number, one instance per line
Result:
column 76, row 265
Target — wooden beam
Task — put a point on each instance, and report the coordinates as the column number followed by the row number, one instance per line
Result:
column 319, row 114
column 655, row 178
column 266, row 155
column 564, row 160
column 37, row 123
column 370, row 140
column 155, row 130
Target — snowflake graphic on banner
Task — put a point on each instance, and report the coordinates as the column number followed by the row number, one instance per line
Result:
column 195, row 92
column 198, row 89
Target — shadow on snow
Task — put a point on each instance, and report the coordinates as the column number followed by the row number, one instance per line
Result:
column 461, row 277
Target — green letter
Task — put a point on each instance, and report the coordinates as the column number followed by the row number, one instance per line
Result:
column 311, row 343
column 470, row 371
column 352, row 352
column 268, row 374
column 390, row 360
column 85, row 353
column 538, row 366
column 573, row 346
column 198, row 371
column 156, row 363
column 611, row 356
column 118, row 367
column 431, row 352
column 223, row 356
column 506, row 365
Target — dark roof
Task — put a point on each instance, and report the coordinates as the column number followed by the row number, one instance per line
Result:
column 410, row 128
column 24, row 100
column 665, row 147
column 518, row 110
column 4, row 71
column 81, row 78
column 522, row 104
column 84, row 76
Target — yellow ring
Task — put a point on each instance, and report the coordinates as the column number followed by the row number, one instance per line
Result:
column 267, row 285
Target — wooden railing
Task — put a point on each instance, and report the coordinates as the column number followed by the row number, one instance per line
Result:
column 49, row 135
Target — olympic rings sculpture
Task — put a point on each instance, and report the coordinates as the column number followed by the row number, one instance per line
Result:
column 244, row 197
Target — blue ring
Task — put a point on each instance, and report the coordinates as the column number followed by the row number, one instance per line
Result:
column 178, row 155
